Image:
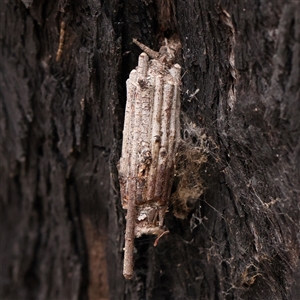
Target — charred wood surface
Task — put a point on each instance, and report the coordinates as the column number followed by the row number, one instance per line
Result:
column 63, row 69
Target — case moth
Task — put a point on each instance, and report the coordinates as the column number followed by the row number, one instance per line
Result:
column 61, row 40
column 150, row 139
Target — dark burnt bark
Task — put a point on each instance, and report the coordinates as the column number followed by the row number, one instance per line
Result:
column 62, row 226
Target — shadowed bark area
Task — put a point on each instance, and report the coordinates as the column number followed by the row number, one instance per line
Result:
column 61, row 116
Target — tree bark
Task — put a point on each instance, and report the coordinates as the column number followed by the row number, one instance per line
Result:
column 63, row 70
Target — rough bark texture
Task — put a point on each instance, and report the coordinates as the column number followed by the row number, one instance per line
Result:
column 62, row 226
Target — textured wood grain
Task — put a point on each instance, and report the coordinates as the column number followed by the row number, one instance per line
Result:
column 61, row 134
